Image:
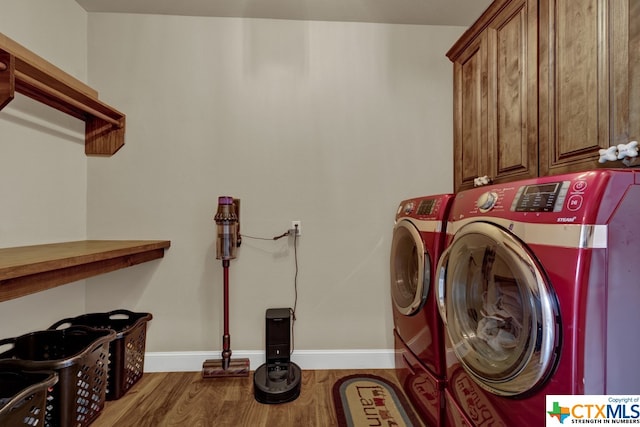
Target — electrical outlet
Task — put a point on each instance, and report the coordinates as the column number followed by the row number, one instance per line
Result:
column 297, row 225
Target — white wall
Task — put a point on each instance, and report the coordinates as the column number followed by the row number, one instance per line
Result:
column 43, row 178
column 324, row 122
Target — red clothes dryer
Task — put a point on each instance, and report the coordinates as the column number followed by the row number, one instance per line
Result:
column 538, row 290
column 418, row 240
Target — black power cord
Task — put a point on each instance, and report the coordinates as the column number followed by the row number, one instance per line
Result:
column 295, row 286
column 293, row 232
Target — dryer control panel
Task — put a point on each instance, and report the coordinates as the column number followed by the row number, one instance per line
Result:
column 574, row 198
column 547, row 197
column 425, row 208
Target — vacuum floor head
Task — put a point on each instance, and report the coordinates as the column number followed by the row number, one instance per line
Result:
column 214, row 368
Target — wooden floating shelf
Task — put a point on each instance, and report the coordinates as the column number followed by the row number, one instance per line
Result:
column 25, row 72
column 29, row 269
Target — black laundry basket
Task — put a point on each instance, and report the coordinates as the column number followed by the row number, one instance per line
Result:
column 79, row 355
column 23, row 396
column 126, row 359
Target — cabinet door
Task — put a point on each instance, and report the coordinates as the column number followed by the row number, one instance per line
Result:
column 470, row 114
column 585, row 80
column 495, row 90
column 512, row 80
column 629, row 129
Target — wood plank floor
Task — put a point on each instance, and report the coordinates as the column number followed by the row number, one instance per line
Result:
column 185, row 399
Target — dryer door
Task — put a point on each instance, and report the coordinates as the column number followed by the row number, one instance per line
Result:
column 410, row 269
column 499, row 310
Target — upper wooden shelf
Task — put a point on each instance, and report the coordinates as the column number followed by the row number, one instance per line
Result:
column 29, row 269
column 25, row 72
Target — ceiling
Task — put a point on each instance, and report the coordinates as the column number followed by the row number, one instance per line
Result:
column 421, row 12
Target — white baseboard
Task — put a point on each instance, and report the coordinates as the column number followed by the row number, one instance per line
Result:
column 191, row 361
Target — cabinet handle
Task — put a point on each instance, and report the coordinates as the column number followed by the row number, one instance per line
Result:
column 625, row 152
column 482, row 180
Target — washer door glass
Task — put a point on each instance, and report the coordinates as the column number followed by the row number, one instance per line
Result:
column 500, row 312
column 410, row 269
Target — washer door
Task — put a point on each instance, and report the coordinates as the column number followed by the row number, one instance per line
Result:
column 499, row 310
column 410, row 269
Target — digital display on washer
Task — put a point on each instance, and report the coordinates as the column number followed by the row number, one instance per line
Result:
column 426, row 207
column 540, row 197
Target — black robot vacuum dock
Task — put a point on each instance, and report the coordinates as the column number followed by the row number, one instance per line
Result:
column 278, row 380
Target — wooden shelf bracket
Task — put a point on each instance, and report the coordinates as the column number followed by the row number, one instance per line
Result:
column 24, row 72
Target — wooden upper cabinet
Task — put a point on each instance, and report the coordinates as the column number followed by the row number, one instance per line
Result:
column 494, row 109
column 633, row 72
column 582, row 44
column 512, row 110
column 557, row 81
column 470, row 108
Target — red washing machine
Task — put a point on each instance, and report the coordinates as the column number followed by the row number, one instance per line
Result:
column 418, row 240
column 538, row 290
